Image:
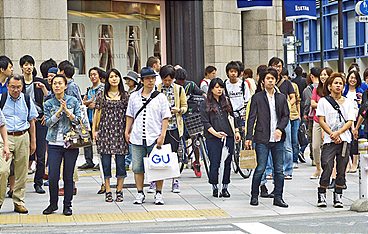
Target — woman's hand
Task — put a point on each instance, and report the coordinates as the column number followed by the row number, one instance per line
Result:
column 95, row 136
column 248, row 144
column 355, row 134
column 220, row 135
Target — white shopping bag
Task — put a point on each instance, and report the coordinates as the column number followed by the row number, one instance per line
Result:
column 161, row 158
column 84, row 117
column 162, row 174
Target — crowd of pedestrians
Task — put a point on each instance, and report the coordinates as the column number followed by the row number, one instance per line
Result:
column 126, row 120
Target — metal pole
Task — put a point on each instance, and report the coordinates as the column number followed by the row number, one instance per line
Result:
column 341, row 39
column 321, row 33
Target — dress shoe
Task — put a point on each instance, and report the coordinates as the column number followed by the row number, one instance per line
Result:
column 49, row 210
column 264, row 191
column 225, row 193
column 86, row 166
column 67, row 211
column 74, row 191
column 10, row 193
column 20, row 209
column 254, row 201
column 272, row 194
column 279, row 202
column 39, row 189
column 215, row 192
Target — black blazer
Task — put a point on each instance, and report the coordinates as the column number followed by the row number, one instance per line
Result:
column 260, row 112
column 37, row 92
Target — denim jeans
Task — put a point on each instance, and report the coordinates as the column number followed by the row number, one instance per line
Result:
column 41, row 132
column 214, row 148
column 119, row 163
column 128, row 157
column 269, row 169
column 288, row 152
column 294, row 139
column 138, row 153
column 262, row 151
column 56, row 154
column 88, row 153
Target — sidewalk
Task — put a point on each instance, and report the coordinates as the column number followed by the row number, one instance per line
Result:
column 194, row 202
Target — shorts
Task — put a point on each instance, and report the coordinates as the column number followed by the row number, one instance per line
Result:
column 138, row 153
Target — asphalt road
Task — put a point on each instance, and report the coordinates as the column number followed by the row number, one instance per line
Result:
column 344, row 222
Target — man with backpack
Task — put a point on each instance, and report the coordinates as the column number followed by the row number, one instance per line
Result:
column 238, row 92
column 20, row 114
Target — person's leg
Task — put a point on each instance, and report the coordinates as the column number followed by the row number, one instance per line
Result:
column 342, row 159
column 55, row 156
column 88, row 156
column 4, row 172
column 214, row 148
column 309, row 135
column 128, row 157
column 21, row 156
column 120, row 171
column 269, row 166
column 138, row 152
column 106, row 166
column 317, row 142
column 277, row 158
column 70, row 158
column 41, row 132
column 327, row 162
column 288, row 152
column 294, row 139
column 227, row 168
column 262, row 152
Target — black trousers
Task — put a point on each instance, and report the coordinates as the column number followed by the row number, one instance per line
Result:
column 41, row 143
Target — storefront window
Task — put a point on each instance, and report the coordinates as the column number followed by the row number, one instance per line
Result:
column 106, row 46
column 157, row 41
column 133, row 51
column 77, row 48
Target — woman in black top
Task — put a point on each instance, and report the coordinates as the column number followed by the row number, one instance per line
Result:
column 215, row 112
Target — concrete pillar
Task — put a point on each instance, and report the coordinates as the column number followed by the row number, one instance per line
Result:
column 222, row 34
column 262, row 35
column 35, row 27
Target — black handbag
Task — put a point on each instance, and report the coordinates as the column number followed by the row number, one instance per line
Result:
column 77, row 137
column 302, row 135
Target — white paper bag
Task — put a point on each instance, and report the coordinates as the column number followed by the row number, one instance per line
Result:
column 161, row 158
column 162, row 174
column 84, row 117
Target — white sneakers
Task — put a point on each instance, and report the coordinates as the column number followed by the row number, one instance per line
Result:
column 175, row 187
column 159, row 199
column 152, row 187
column 139, row 198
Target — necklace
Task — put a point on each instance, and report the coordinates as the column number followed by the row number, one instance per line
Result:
column 113, row 95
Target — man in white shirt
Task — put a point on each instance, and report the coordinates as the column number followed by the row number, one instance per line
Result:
column 238, row 92
column 155, row 63
column 146, row 127
column 209, row 74
column 337, row 137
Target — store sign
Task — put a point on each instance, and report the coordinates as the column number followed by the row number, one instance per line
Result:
column 361, row 8
column 296, row 9
column 253, row 4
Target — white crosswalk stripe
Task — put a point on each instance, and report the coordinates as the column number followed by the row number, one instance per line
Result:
column 255, row 228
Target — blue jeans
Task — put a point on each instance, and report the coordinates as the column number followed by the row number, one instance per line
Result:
column 128, row 157
column 56, row 154
column 119, row 162
column 138, row 153
column 269, row 169
column 214, row 148
column 294, row 139
column 288, row 152
column 262, row 151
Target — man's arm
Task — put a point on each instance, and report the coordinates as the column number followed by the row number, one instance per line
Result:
column 161, row 138
column 128, row 128
column 32, row 134
column 4, row 136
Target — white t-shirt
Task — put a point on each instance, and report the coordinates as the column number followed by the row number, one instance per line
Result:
column 334, row 120
column 351, row 95
column 204, row 84
column 237, row 98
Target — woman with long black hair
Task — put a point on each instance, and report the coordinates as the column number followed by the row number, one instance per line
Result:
column 108, row 130
column 215, row 112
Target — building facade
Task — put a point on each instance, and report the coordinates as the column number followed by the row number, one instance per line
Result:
column 355, row 36
column 124, row 33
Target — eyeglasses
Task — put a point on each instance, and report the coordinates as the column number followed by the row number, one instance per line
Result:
column 15, row 87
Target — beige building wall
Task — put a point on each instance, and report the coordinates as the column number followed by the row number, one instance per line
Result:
column 222, row 34
column 262, row 35
column 34, row 27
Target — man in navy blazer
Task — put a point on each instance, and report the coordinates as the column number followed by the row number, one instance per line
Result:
column 270, row 111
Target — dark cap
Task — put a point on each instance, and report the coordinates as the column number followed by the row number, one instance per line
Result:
column 132, row 75
column 147, row 71
column 52, row 70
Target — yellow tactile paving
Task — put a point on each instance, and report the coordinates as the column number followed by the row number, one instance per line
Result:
column 27, row 219
column 9, row 219
column 112, row 217
column 59, row 218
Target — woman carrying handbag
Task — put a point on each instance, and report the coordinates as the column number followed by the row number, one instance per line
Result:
column 61, row 112
column 108, row 131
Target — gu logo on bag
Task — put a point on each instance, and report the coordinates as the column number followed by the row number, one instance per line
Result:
column 156, row 159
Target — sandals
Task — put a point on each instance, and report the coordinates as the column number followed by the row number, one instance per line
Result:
column 119, row 196
column 108, row 197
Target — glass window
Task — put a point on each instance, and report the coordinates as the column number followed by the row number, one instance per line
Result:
column 77, row 47
column 335, row 32
column 157, row 43
column 133, row 51
column 351, row 28
column 106, row 46
column 306, row 36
